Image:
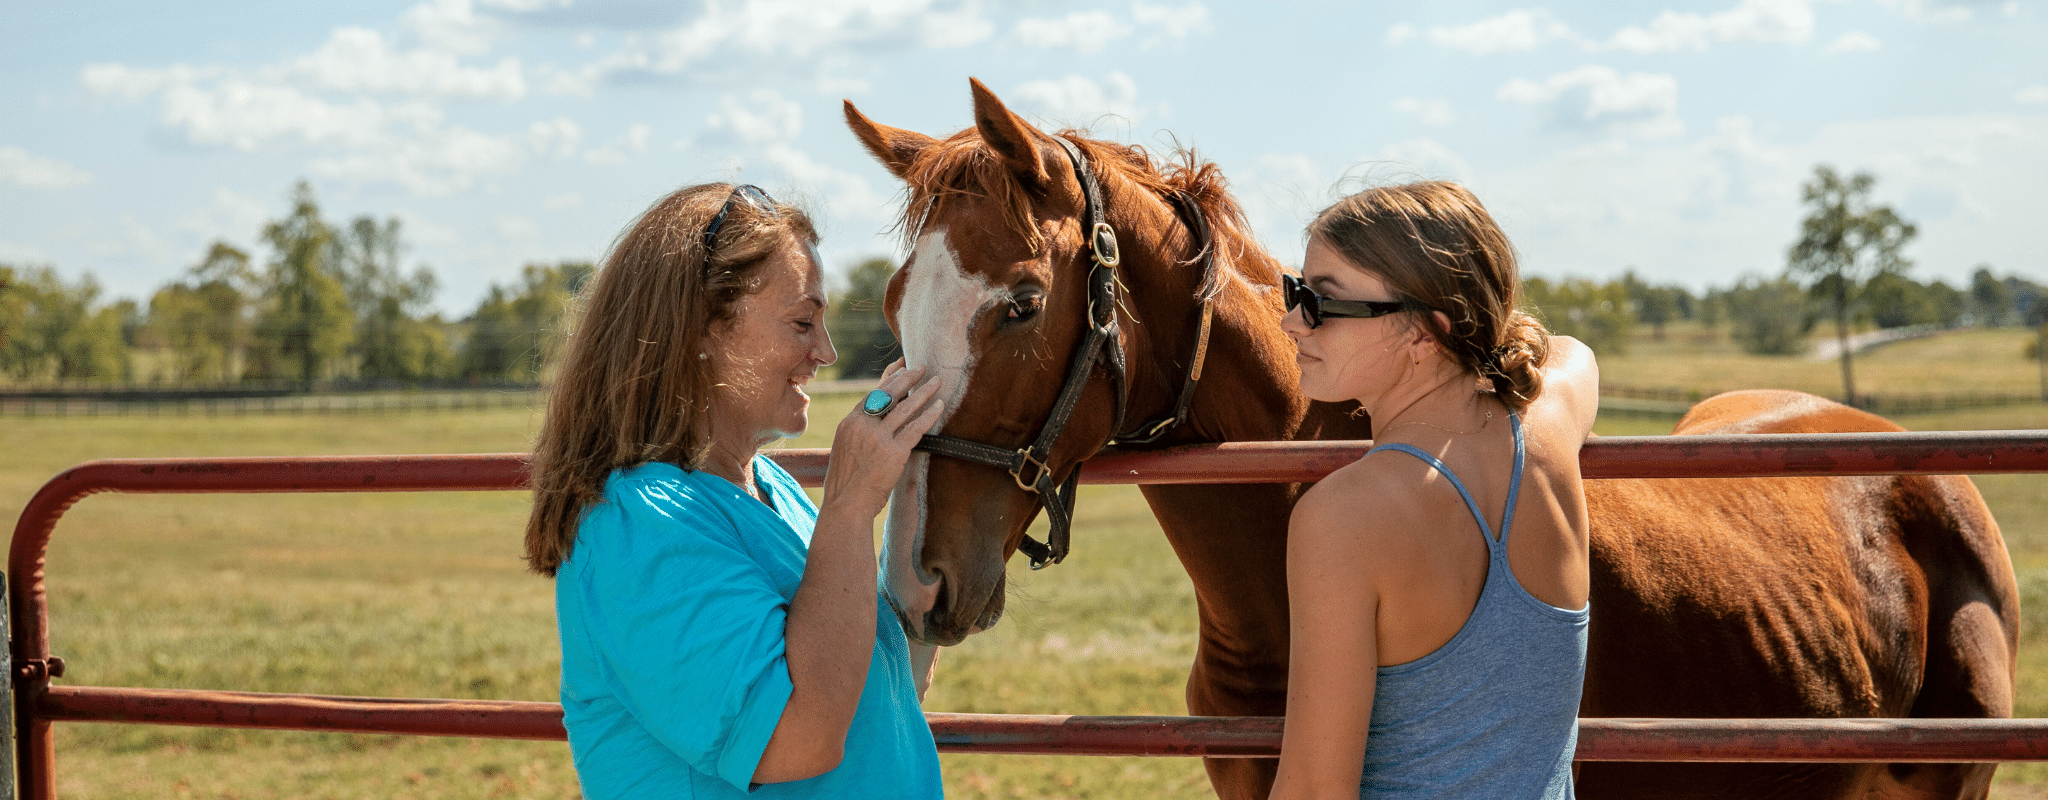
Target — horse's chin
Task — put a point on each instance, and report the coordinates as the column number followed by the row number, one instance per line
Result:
column 944, row 626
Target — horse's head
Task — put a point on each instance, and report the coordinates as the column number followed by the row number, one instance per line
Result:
column 994, row 301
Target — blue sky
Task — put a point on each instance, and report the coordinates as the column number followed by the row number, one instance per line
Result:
column 1669, row 138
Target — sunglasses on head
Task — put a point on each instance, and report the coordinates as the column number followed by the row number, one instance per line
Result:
column 748, row 192
column 1315, row 308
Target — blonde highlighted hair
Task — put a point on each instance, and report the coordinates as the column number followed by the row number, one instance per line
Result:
column 632, row 384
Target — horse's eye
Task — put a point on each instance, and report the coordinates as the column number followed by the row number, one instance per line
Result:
column 1024, row 308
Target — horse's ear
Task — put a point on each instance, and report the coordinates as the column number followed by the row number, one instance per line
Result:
column 1010, row 136
column 894, row 147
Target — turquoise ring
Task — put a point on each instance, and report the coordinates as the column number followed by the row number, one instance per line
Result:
column 877, row 403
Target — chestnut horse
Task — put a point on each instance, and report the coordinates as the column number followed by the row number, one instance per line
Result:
column 1809, row 597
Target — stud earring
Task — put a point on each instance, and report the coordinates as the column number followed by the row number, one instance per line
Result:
column 702, row 356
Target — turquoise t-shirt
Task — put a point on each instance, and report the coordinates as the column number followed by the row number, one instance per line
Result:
column 671, row 610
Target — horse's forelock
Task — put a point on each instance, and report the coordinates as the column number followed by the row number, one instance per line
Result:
column 963, row 166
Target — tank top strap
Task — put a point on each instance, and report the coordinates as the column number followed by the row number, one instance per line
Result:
column 1472, row 505
column 1507, row 517
column 1495, row 546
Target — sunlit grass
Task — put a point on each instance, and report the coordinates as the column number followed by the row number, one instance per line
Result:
column 424, row 595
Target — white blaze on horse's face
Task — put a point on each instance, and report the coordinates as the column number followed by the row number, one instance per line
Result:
column 935, row 316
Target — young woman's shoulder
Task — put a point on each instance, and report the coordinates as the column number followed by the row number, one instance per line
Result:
column 1356, row 508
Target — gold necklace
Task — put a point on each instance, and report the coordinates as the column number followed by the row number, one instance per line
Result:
column 1482, row 426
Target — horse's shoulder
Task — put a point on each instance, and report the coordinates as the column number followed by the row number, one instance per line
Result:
column 1777, row 411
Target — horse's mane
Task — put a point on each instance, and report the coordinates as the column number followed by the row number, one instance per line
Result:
column 962, row 166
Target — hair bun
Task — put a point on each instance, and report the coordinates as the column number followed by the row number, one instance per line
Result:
column 1515, row 365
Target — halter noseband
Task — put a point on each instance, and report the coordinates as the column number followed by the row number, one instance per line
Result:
column 1100, row 344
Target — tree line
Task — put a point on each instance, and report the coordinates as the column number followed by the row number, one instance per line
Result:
column 333, row 301
column 328, row 302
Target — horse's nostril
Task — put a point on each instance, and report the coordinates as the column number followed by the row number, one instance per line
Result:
column 940, row 588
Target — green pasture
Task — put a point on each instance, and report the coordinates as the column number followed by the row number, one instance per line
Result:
column 423, row 595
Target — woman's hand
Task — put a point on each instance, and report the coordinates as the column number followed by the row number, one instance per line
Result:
column 868, row 452
column 830, row 630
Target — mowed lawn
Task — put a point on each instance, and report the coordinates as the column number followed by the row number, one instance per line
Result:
column 424, row 595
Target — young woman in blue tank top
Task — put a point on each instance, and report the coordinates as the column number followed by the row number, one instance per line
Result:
column 1438, row 584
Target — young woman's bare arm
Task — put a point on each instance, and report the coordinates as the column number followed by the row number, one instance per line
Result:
column 1334, row 602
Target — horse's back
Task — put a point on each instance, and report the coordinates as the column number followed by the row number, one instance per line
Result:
column 1878, row 596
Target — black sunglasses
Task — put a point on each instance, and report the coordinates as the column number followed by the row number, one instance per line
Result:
column 746, row 191
column 1316, row 308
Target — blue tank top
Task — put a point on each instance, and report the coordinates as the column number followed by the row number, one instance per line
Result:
column 1494, row 712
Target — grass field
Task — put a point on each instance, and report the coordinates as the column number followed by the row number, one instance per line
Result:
column 423, row 595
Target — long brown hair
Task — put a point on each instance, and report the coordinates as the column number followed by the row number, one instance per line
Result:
column 1435, row 246
column 632, row 383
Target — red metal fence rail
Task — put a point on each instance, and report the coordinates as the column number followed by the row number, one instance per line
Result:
column 38, row 704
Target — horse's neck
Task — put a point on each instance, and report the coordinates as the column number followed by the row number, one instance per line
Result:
column 1249, row 389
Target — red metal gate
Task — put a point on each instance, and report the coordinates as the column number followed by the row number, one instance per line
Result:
column 38, row 704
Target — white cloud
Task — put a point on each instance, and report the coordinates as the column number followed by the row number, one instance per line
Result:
column 1074, row 98
column 957, row 28
column 248, row 116
column 440, row 162
column 525, row 6
column 556, row 137
column 618, row 150
column 358, row 60
column 564, row 201
column 1400, row 32
column 1431, row 112
column 231, row 216
column 1934, row 12
column 135, row 83
column 2035, row 94
column 27, row 170
column 1853, row 42
column 1429, row 158
column 846, row 194
column 1752, row 21
column 790, row 35
column 1080, row 31
column 515, row 227
column 1173, row 24
column 452, row 26
column 1637, row 104
column 1510, row 32
column 764, row 118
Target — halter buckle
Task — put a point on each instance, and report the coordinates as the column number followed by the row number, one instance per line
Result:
column 1024, row 460
column 1102, row 244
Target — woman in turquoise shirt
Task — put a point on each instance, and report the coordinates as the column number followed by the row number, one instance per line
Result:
column 720, row 635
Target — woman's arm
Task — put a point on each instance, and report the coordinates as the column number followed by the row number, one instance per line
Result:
column 1333, row 599
column 1571, row 379
column 830, row 632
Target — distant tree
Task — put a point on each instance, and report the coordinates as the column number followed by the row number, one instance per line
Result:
column 1768, row 317
column 1990, row 299
column 1594, row 313
column 1844, row 241
column 514, row 325
column 394, row 338
column 1896, row 301
column 1712, row 308
column 859, row 330
column 304, row 323
column 2026, row 296
column 50, row 328
column 202, row 321
column 1655, row 306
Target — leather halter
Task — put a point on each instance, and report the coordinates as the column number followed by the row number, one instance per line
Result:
column 1101, row 344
